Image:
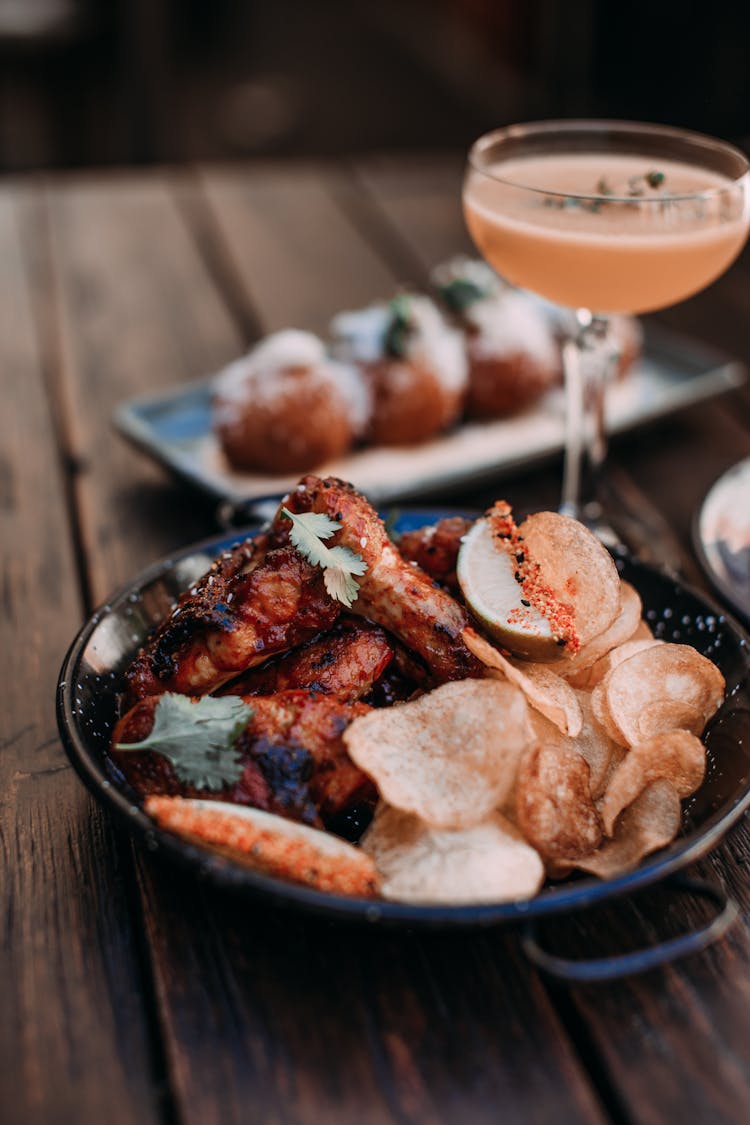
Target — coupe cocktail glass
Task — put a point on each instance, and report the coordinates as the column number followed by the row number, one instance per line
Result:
column 603, row 217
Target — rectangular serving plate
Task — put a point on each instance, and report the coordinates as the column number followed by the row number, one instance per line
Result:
column 174, row 428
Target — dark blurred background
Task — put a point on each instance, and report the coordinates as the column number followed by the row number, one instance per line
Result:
column 97, row 82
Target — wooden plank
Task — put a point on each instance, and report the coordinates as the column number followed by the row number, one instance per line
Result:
column 674, row 1044
column 137, row 313
column 294, row 251
column 274, row 1016
column 74, row 1037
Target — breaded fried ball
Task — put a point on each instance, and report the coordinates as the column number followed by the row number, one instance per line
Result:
column 414, row 362
column 512, row 352
column 513, row 356
column 287, row 407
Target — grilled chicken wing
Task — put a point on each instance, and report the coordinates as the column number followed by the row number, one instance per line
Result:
column 346, row 662
column 295, row 761
column 435, row 548
column 394, row 593
column 256, row 600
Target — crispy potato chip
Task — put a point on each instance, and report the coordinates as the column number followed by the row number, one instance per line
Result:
column 489, row 862
column 658, row 688
column 271, row 844
column 643, row 632
column 594, row 746
column 450, row 756
column 578, row 569
column 588, row 678
column 600, row 711
column 543, row 688
column 554, row 809
column 619, row 754
column 651, row 822
column 576, row 668
column 675, row 756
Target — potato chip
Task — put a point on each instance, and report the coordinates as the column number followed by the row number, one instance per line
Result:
column 450, row 756
column 577, row 568
column 268, row 843
column 657, row 689
column 489, row 862
column 643, row 632
column 543, row 688
column 588, row 678
column 600, row 712
column 675, row 756
column 576, row 668
column 554, row 809
column 594, row 746
column 650, row 823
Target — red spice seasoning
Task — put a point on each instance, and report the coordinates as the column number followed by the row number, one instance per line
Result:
column 528, row 574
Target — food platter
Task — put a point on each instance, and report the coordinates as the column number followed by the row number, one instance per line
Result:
column 87, row 702
column 722, row 536
column 174, row 428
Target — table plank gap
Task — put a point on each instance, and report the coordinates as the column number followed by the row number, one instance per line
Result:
column 73, row 1039
column 678, row 1029
column 195, row 207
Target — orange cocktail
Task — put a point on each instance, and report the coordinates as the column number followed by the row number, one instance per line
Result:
column 604, row 217
column 655, row 235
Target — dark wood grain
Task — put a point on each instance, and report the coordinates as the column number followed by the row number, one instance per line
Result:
column 136, row 313
column 296, row 254
column 674, row 1042
column 267, row 1016
column 74, row 1038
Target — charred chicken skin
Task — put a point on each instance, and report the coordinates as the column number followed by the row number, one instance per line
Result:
column 263, row 599
column 256, row 600
column 346, row 662
column 394, row 593
column 295, row 762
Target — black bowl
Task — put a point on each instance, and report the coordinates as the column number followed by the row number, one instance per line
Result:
column 87, row 703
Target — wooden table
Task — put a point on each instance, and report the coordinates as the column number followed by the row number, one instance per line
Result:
column 131, row 993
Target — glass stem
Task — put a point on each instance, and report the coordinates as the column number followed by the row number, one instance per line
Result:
column 589, row 356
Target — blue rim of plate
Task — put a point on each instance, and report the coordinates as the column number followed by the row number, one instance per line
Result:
column 100, row 775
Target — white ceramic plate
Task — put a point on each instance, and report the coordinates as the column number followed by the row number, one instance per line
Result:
column 722, row 536
column 174, row 427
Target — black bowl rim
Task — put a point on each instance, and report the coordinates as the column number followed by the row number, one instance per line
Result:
column 224, row 872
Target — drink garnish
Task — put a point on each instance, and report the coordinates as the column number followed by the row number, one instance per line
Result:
column 198, row 737
column 339, row 564
column 637, row 187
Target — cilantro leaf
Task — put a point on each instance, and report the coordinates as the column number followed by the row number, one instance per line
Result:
column 400, row 327
column 198, row 738
column 461, row 293
column 338, row 563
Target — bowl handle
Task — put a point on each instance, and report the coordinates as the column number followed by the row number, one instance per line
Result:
column 640, row 960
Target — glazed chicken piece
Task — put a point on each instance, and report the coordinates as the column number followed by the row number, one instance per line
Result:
column 263, row 598
column 295, row 761
column 394, row 593
column 435, row 548
column 346, row 662
column 256, row 601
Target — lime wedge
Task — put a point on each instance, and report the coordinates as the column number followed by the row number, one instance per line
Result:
column 486, row 575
